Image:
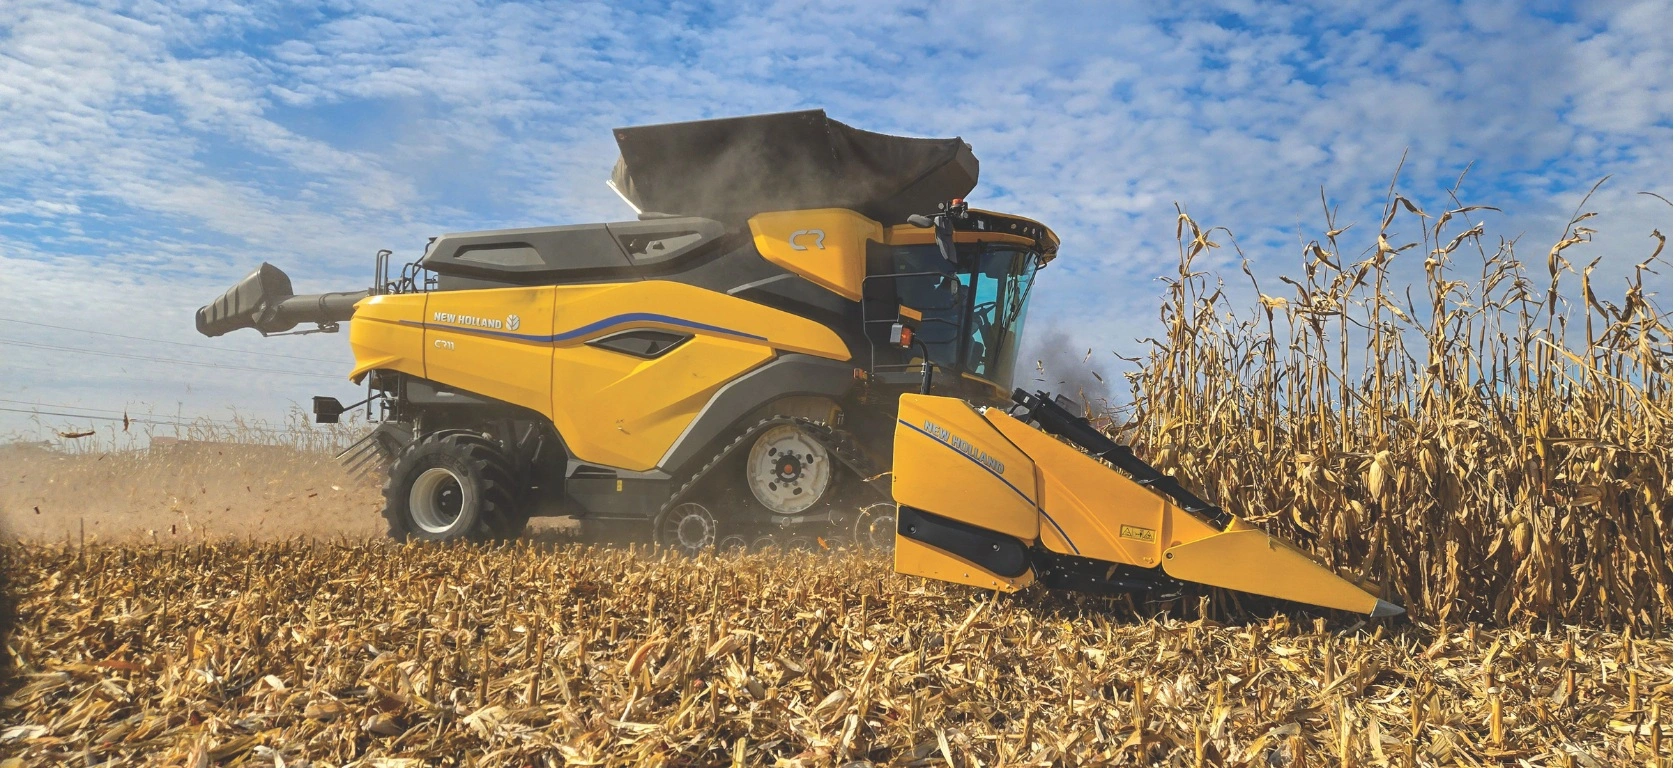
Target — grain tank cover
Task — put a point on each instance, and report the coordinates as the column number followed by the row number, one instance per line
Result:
column 736, row 167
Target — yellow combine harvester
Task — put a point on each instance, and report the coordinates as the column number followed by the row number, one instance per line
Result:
column 800, row 311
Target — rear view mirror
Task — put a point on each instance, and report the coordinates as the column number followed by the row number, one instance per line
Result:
column 942, row 227
column 943, row 234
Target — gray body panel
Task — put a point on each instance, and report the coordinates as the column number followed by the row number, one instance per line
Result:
column 620, row 251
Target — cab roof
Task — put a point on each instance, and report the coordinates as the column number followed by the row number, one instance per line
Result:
column 1042, row 236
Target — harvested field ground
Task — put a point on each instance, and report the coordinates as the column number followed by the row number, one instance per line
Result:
column 186, row 492
column 329, row 653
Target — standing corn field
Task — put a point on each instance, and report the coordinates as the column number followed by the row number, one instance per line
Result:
column 1432, row 417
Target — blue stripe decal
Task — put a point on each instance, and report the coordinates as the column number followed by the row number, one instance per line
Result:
column 649, row 317
column 1060, row 531
column 1000, row 478
column 592, row 328
column 478, row 331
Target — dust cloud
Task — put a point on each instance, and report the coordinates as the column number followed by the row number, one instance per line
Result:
column 1058, row 365
column 183, row 492
column 191, row 491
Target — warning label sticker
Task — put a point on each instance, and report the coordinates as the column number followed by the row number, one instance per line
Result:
column 1134, row 532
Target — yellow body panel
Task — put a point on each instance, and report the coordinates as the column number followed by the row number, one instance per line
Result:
column 971, row 467
column 623, row 411
column 917, row 559
column 1091, row 510
column 586, row 312
column 530, row 347
column 494, row 343
column 946, row 457
column 1245, row 558
column 385, row 334
column 827, row 246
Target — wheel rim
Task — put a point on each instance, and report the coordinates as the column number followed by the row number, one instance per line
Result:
column 803, row 544
column 733, row 543
column 877, row 527
column 787, row 470
column 690, row 528
column 436, row 499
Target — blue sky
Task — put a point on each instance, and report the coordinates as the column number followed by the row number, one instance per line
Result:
column 151, row 153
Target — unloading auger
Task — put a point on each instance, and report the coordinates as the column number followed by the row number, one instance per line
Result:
column 799, row 309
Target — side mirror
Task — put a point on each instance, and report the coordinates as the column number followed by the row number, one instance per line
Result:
column 943, row 234
column 942, row 227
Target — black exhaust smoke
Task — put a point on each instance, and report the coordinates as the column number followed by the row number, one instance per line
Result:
column 264, row 301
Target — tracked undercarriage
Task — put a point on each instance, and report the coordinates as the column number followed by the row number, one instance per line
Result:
column 805, row 486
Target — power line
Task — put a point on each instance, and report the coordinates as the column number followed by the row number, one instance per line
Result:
column 171, row 361
column 138, row 375
column 163, row 341
column 89, row 417
column 58, row 405
column 144, row 420
column 124, row 411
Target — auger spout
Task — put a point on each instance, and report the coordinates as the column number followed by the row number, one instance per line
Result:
column 264, row 301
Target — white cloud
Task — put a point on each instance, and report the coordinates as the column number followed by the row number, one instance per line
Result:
column 177, row 144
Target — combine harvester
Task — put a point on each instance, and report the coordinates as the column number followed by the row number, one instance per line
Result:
column 801, row 310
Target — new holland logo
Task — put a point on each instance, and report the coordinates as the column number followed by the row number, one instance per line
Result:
column 513, row 322
column 469, row 320
column 967, row 448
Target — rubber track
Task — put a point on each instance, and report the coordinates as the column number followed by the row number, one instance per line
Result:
column 839, row 444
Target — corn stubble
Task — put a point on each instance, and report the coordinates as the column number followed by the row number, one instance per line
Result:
column 311, row 653
column 1481, row 444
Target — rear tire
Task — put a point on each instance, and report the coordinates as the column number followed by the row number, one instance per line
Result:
column 450, row 486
